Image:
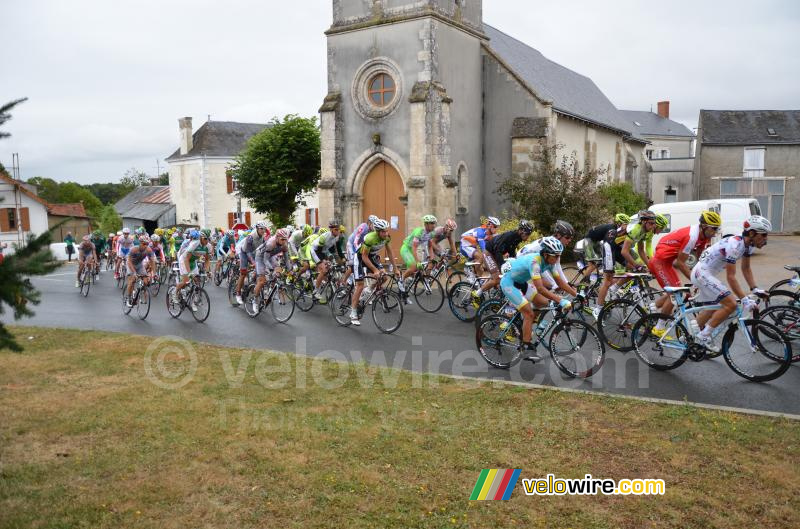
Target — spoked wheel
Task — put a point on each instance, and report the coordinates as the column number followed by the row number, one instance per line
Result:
column 86, row 283
column 787, row 319
column 281, row 303
column 616, row 321
column 202, row 304
column 232, row 292
column 143, row 303
column 340, row 305
column 498, row 341
column 302, row 298
column 218, row 277
column 429, row 294
column 454, row 277
column 660, row 351
column 761, row 354
column 155, row 286
column 490, row 307
column 174, row 309
column 248, row 296
column 783, row 297
column 125, row 308
column 576, row 348
column 461, row 303
column 387, row 312
column 326, row 293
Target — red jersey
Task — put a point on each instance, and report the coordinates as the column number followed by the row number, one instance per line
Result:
column 685, row 240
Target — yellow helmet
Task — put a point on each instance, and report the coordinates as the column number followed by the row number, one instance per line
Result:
column 711, row 218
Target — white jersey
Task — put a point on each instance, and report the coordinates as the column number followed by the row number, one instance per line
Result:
column 725, row 252
column 534, row 247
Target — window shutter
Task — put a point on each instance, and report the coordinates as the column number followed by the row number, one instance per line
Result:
column 308, row 216
column 247, row 218
column 4, row 219
column 231, row 216
column 26, row 220
column 229, row 181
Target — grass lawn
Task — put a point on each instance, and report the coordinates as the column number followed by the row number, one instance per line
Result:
column 86, row 439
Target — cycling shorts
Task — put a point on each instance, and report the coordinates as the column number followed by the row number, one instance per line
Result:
column 124, row 251
column 245, row 259
column 491, row 264
column 710, row 289
column 360, row 269
column 466, row 249
column 187, row 271
column 514, row 294
column 664, row 272
column 407, row 254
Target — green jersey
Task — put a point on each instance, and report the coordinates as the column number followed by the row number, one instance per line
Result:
column 418, row 234
column 373, row 243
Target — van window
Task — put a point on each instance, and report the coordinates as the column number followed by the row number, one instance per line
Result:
column 754, row 208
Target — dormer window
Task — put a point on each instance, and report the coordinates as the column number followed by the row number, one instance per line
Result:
column 772, row 132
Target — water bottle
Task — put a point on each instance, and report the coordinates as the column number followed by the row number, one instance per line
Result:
column 694, row 326
column 542, row 326
column 634, row 289
column 509, row 311
column 794, row 282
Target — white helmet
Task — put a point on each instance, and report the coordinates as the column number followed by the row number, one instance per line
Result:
column 758, row 223
column 155, row 238
column 493, row 221
column 507, row 265
column 372, row 219
column 110, row 235
column 262, row 225
column 380, row 224
column 119, row 232
column 126, row 230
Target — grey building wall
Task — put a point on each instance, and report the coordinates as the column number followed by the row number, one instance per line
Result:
column 679, row 147
column 728, row 160
column 675, row 172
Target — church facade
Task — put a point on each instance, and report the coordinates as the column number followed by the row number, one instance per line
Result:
column 428, row 108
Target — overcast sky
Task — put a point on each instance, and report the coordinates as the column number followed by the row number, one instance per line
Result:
column 107, row 80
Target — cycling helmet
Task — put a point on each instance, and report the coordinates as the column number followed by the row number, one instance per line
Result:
column 307, row 230
column 551, row 245
column 525, row 225
column 450, row 224
column 144, row 239
column 85, row 238
column 194, row 234
column 428, row 219
column 564, row 229
column 507, row 265
column 206, row 232
column 261, row 225
column 381, row 225
column 646, row 214
column 661, row 221
column 159, row 231
column 372, row 219
column 710, row 218
column 155, row 238
column 119, row 232
column 758, row 223
column 110, row 235
column 341, row 228
column 333, row 225
column 202, row 234
column 621, row 218
column 323, row 231
column 282, row 233
column 126, row 231
column 494, row 221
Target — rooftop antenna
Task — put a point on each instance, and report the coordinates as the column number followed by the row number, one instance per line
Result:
column 209, row 117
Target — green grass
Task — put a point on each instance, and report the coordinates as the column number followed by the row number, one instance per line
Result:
column 86, row 440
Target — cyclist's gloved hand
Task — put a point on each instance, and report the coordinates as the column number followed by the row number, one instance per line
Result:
column 760, row 292
column 749, row 304
column 565, row 304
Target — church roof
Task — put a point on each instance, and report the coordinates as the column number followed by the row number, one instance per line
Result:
column 750, row 127
column 651, row 124
column 571, row 93
column 220, row 138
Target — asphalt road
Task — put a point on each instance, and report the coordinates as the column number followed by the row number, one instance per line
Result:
column 435, row 343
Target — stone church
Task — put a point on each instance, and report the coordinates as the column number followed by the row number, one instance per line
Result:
column 428, row 107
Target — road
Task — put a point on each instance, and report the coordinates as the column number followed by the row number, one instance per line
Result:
column 435, row 343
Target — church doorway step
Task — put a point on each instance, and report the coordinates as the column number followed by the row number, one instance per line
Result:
column 383, row 189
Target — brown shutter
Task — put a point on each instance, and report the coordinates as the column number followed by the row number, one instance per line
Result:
column 4, row 219
column 229, row 182
column 231, row 217
column 308, row 215
column 26, row 219
column 247, row 218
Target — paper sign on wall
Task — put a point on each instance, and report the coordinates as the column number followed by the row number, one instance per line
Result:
column 395, row 222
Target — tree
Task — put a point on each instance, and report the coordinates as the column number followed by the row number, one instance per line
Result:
column 47, row 187
column 278, row 166
column 163, row 179
column 71, row 192
column 109, row 193
column 621, row 198
column 110, row 221
column 5, row 116
column 134, row 178
column 16, row 289
column 551, row 191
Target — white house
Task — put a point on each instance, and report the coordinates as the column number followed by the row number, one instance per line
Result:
column 22, row 212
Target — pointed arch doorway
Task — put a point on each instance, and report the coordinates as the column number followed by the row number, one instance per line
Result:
column 382, row 192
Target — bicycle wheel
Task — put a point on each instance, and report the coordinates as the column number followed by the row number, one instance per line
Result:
column 174, row 309
column 340, row 305
column 498, row 341
column 490, row 307
column 125, row 308
column 461, row 303
column 202, row 303
column 576, row 348
column 666, row 352
column 787, row 319
column 760, row 354
column 232, row 291
column 615, row 322
column 779, row 285
column 302, row 297
column 783, row 297
column 142, row 303
column 428, row 294
column 387, row 312
column 249, row 297
column 218, row 277
column 155, row 286
column 281, row 303
column 453, row 277
column 326, row 293
column 86, row 283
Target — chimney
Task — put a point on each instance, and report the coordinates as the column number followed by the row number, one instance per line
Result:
column 663, row 109
column 185, row 127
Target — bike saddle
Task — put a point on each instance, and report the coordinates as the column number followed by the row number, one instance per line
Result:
column 792, row 268
column 676, row 289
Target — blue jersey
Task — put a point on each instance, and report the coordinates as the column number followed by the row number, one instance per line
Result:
column 225, row 243
column 529, row 267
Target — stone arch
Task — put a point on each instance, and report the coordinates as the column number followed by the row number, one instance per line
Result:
column 362, row 167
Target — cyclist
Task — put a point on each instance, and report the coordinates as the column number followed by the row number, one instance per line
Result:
column 188, row 260
column 354, row 241
column 408, row 250
column 724, row 255
column 139, row 259
column 158, row 249
column 225, row 248
column 297, row 238
column 497, row 248
column 443, row 233
column 529, row 269
column 564, row 233
column 319, row 247
column 672, row 252
column 268, row 259
column 99, row 245
column 473, row 242
column 110, row 248
column 367, row 261
column 124, row 245
column 597, row 237
column 86, row 257
column 246, row 250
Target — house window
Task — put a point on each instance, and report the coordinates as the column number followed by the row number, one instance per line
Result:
column 12, row 219
column 8, row 219
column 754, row 162
column 670, row 195
column 664, row 153
column 230, row 182
column 649, row 153
column 312, row 216
column 381, row 90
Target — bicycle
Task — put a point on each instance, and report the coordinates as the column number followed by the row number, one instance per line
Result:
column 387, row 308
column 787, row 319
column 192, row 296
column 85, row 281
column 159, row 279
column 617, row 317
column 140, row 298
column 275, row 293
column 575, row 346
column 426, row 288
column 305, row 285
column 460, row 299
column 758, row 352
column 779, row 295
column 223, row 271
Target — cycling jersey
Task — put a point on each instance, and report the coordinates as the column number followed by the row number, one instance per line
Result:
column 373, row 243
column 249, row 244
column 601, row 233
column 725, row 252
column 124, row 245
column 524, row 270
column 505, row 243
column 440, row 234
column 356, row 238
column 194, row 249
column 224, row 244
column 634, row 233
column 685, row 240
column 137, row 256
column 158, row 250
column 320, row 246
column 268, row 255
column 475, row 237
column 420, row 235
column 99, row 244
column 296, row 240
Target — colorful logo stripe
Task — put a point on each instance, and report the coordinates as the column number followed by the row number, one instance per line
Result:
column 495, row 484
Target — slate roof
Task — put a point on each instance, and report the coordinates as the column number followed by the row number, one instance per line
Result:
column 750, row 127
column 220, row 138
column 67, row 210
column 651, row 124
column 146, row 203
column 570, row 92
